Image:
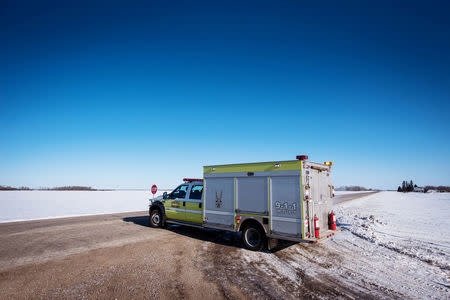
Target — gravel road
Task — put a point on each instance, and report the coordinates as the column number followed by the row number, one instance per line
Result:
column 119, row 256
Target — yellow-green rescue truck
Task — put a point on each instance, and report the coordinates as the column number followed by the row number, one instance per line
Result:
column 289, row 200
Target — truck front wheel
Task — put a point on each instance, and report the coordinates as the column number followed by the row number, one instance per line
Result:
column 156, row 218
column 253, row 237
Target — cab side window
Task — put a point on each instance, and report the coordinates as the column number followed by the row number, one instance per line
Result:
column 179, row 192
column 196, row 192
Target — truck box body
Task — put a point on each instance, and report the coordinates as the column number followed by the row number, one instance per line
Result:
column 274, row 193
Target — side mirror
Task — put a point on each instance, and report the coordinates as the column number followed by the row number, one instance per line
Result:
column 165, row 195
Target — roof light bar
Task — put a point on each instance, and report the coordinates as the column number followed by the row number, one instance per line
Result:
column 328, row 163
column 191, row 179
column 302, row 157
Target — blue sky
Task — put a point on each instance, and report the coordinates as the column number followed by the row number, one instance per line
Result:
column 124, row 95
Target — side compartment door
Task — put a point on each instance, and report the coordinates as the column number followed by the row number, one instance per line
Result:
column 175, row 205
column 285, row 210
column 194, row 204
column 219, row 202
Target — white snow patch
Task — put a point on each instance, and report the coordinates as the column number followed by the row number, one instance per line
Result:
column 413, row 224
column 32, row 205
column 401, row 241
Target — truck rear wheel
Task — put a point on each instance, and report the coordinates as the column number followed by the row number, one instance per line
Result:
column 155, row 218
column 253, row 237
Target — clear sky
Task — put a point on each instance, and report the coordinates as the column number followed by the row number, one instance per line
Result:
column 124, row 95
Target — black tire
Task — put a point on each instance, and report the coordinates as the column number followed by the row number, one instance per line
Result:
column 156, row 218
column 253, row 237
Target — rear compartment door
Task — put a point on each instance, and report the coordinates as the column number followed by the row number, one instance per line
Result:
column 285, row 206
column 320, row 198
column 219, row 202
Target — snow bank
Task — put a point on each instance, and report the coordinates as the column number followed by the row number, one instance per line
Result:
column 394, row 246
column 31, row 205
column 413, row 224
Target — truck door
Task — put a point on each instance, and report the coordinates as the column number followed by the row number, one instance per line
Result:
column 175, row 205
column 286, row 209
column 194, row 204
column 320, row 198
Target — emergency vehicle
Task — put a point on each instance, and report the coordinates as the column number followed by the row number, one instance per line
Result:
column 267, row 201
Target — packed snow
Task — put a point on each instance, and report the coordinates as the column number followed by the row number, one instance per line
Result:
column 414, row 224
column 405, row 238
column 32, row 205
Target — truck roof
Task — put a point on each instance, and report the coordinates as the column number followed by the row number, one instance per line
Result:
column 284, row 165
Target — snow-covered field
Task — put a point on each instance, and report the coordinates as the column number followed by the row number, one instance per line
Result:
column 31, row 205
column 405, row 238
column 413, row 224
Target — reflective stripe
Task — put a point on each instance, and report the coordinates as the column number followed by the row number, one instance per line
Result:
column 186, row 200
column 287, row 219
column 194, row 211
column 216, row 212
column 184, row 210
column 173, row 208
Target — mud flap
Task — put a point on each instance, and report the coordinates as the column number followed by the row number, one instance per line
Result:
column 272, row 243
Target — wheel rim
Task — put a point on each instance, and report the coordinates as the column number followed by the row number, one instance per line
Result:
column 252, row 237
column 155, row 219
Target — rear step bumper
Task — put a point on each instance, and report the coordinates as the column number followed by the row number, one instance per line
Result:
column 325, row 235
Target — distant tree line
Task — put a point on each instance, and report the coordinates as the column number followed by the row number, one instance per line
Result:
column 354, row 188
column 10, row 188
column 69, row 188
column 60, row 188
column 409, row 187
column 440, row 188
column 406, row 186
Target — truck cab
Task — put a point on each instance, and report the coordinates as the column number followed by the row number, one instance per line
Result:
column 184, row 204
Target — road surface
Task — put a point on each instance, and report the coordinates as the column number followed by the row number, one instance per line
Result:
column 119, row 256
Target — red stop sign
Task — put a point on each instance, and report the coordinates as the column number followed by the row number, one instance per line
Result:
column 154, row 189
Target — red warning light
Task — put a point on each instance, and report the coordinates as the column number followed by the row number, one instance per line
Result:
column 302, row 157
column 191, row 179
